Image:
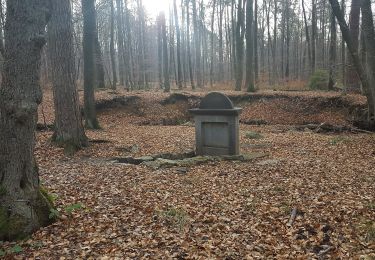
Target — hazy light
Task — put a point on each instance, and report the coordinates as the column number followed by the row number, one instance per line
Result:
column 154, row 7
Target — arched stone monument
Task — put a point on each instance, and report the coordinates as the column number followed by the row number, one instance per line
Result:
column 216, row 126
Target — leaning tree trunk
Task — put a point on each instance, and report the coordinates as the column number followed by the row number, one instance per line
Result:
column 89, row 39
column 369, row 89
column 23, row 208
column 69, row 132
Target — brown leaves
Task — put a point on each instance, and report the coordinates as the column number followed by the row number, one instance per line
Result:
column 219, row 210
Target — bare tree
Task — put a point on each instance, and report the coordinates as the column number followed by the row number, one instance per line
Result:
column 23, row 208
column 68, row 132
column 89, row 41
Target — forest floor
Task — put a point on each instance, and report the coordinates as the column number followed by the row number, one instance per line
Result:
column 220, row 209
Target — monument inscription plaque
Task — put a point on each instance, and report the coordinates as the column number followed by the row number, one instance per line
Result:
column 216, row 126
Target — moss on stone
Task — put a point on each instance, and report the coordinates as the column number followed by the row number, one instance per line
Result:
column 3, row 190
column 49, row 197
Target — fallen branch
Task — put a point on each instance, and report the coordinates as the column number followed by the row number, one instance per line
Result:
column 324, row 128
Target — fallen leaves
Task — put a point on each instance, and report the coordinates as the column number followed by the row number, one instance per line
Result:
column 220, row 209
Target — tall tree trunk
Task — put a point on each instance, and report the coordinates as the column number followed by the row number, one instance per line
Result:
column 239, row 46
column 89, row 39
column 369, row 37
column 352, row 80
column 160, row 52
column 307, row 34
column 167, row 87
column 197, row 45
column 313, row 36
column 343, row 52
column 120, row 42
column 369, row 88
column 112, row 46
column 221, row 51
column 23, row 208
column 99, row 65
column 256, row 60
column 178, row 36
column 69, row 132
column 212, row 42
column 287, row 40
column 332, row 53
column 188, row 45
column 249, row 83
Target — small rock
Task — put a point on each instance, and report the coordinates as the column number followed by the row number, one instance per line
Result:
column 182, row 170
column 270, row 162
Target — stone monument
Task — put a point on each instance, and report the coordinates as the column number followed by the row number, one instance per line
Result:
column 216, row 126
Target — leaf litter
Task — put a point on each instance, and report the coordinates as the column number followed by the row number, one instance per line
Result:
column 221, row 209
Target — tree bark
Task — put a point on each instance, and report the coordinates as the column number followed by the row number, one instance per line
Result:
column 352, row 80
column 89, row 39
column 112, row 46
column 120, row 42
column 239, row 46
column 249, row 83
column 212, row 43
column 23, row 208
column 167, row 87
column 332, row 53
column 355, row 56
column 178, row 36
column 69, row 132
column 188, row 45
column 197, row 45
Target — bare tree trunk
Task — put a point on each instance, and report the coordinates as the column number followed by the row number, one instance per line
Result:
column 89, row 39
column 69, row 132
column 369, row 89
column 256, row 60
column 197, row 45
column 167, row 87
column 352, row 80
column 178, row 36
column 221, row 51
column 249, row 82
column 99, row 66
column 369, row 37
column 332, row 53
column 313, row 36
column 188, row 45
column 239, row 45
column 307, row 34
column 212, row 42
column 160, row 52
column 112, row 46
column 23, row 208
column 120, row 42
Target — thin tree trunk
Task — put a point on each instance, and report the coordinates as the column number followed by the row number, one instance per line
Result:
column 68, row 132
column 249, row 83
column 332, row 53
column 256, row 60
column 188, row 45
column 112, row 46
column 167, row 87
column 120, row 42
column 212, row 42
column 23, row 208
column 239, row 46
column 178, row 36
column 197, row 45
